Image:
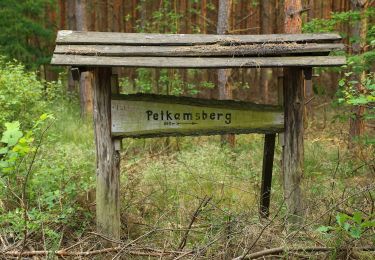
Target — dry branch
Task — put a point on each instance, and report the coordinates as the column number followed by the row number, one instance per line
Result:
column 279, row 250
column 62, row 253
column 203, row 203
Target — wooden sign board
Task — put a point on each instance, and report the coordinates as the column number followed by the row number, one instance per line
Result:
column 146, row 115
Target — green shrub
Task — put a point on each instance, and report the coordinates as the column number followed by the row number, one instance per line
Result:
column 45, row 175
column 21, row 95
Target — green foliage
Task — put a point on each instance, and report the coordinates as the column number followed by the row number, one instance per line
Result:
column 16, row 146
column 22, row 96
column 349, row 94
column 24, row 34
column 55, row 169
column 168, row 82
column 352, row 96
column 41, row 173
column 349, row 226
column 358, row 62
column 164, row 20
column 356, row 87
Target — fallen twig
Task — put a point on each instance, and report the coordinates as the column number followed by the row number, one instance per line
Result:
column 279, row 250
column 62, row 253
column 201, row 205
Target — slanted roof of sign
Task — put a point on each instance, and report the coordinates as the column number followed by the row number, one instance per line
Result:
column 77, row 48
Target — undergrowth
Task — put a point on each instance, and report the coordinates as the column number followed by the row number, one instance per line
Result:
column 188, row 193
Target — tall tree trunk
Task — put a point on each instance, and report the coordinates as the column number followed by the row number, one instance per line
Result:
column 70, row 7
column 292, row 163
column 85, row 83
column 266, row 27
column 357, row 125
column 225, row 91
column 62, row 15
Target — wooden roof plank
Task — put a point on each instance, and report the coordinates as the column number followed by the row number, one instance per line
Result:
column 199, row 50
column 114, row 38
column 194, row 62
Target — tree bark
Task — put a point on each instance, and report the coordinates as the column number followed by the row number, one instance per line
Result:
column 292, row 164
column 357, row 125
column 62, row 15
column 85, row 83
column 225, row 91
column 107, row 159
column 266, row 27
column 70, row 6
column 293, row 21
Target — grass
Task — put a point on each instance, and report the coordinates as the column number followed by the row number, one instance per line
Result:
column 163, row 183
column 162, row 187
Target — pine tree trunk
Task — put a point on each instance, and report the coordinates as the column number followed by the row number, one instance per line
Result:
column 62, row 15
column 85, row 83
column 225, row 91
column 70, row 7
column 357, row 125
column 266, row 17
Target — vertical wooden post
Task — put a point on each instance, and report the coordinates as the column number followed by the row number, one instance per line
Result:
column 293, row 142
column 107, row 158
column 265, row 190
column 309, row 94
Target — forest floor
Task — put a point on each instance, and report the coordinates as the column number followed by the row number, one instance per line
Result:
column 193, row 198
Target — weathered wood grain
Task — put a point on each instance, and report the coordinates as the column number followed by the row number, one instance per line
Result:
column 293, row 155
column 80, row 37
column 193, row 62
column 152, row 115
column 268, row 49
column 107, row 159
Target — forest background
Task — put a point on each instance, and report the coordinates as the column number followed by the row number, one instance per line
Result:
column 191, row 196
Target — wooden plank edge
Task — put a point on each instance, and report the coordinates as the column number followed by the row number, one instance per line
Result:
column 200, row 102
column 268, row 130
column 83, row 37
column 193, row 62
column 254, row 50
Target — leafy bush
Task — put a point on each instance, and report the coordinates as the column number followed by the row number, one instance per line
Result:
column 23, row 97
column 42, row 186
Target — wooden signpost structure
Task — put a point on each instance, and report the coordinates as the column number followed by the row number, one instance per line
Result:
column 117, row 116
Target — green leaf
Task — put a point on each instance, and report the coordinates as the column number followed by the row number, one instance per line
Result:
column 355, row 232
column 12, row 133
column 357, row 217
column 342, row 82
column 368, row 224
column 324, row 229
column 346, row 226
column 341, row 218
column 361, row 100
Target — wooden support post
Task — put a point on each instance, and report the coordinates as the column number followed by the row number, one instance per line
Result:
column 107, row 158
column 293, row 143
column 309, row 94
column 265, row 191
